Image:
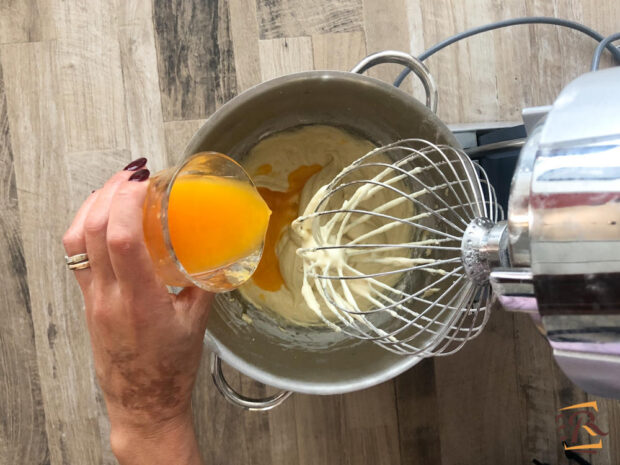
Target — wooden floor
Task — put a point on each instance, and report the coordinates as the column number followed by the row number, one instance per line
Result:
column 86, row 86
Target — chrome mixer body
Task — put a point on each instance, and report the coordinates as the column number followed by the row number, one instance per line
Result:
column 563, row 231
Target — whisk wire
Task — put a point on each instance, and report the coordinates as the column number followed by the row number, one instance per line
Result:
column 386, row 264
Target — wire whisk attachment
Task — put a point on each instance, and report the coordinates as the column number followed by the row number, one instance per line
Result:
column 395, row 248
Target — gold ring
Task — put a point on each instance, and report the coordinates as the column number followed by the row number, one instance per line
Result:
column 76, row 258
column 79, row 266
column 77, row 262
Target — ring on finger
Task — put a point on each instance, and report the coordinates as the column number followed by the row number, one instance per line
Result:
column 79, row 266
column 77, row 262
column 81, row 257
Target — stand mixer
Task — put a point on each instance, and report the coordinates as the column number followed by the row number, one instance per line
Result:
column 557, row 257
column 519, row 263
column 563, row 231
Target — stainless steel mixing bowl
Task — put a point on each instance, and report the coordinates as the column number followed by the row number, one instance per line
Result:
column 309, row 360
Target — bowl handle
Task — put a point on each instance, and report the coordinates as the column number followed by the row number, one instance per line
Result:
column 232, row 396
column 411, row 62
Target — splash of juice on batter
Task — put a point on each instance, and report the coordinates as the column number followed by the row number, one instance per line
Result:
column 284, row 208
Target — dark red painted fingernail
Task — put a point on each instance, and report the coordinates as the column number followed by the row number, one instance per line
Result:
column 136, row 164
column 140, row 175
column 92, row 192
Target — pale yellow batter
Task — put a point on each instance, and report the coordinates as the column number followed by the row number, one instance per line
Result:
column 327, row 146
column 333, row 149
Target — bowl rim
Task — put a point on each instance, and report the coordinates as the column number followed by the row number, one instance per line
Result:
column 307, row 387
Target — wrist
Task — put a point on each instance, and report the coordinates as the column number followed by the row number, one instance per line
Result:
column 172, row 441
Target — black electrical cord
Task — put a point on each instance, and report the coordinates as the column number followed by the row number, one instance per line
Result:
column 601, row 46
column 506, row 23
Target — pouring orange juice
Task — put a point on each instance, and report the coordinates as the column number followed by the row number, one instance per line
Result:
column 205, row 223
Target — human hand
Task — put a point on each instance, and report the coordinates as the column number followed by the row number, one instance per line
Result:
column 146, row 343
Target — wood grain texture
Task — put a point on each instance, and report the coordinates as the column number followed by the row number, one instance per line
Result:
column 339, row 51
column 218, row 422
column 38, row 135
column 285, row 56
column 293, row 18
column 91, row 84
column 385, row 26
column 609, row 419
column 90, row 170
column 531, row 64
column 25, row 21
column 195, row 55
column 538, row 405
column 244, row 29
column 145, row 124
column 542, row 395
column 418, row 425
column 478, row 386
column 23, row 438
column 178, row 134
column 89, row 75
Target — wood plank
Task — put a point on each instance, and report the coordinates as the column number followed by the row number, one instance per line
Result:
column 339, row 51
column 294, row 18
column 260, row 437
column 560, row 54
column 90, row 75
column 417, row 43
column 386, row 28
column 538, row 404
column 25, row 21
column 608, row 419
column 320, row 429
column 544, row 390
column 178, row 135
column 464, row 71
column 195, row 55
column 473, row 66
column 23, row 438
column 438, row 23
column 359, row 427
column 279, row 57
column 283, row 432
column 605, row 17
column 145, row 125
column 418, row 424
column 535, row 62
column 215, row 419
column 244, row 33
column 549, row 71
column 478, row 399
column 370, row 428
column 513, row 51
column 90, row 170
column 63, row 350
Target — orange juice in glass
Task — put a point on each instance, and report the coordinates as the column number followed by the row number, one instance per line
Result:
column 205, row 223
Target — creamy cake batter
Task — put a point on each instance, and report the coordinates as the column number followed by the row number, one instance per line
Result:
column 288, row 169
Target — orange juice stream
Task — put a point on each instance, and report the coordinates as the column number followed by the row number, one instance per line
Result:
column 285, row 206
column 212, row 222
